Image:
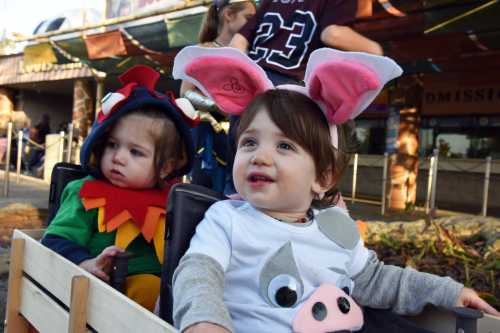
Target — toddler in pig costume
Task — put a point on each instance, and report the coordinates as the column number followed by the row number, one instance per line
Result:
column 285, row 258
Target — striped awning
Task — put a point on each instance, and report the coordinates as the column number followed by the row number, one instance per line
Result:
column 153, row 42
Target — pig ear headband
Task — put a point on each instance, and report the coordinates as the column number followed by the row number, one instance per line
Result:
column 226, row 75
column 342, row 83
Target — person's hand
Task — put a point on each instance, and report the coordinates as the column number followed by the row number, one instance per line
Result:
column 469, row 298
column 205, row 327
column 100, row 266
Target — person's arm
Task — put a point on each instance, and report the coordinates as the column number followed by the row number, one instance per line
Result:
column 245, row 37
column 240, row 42
column 68, row 249
column 345, row 38
column 405, row 290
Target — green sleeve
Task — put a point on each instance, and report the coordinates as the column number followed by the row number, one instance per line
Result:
column 72, row 221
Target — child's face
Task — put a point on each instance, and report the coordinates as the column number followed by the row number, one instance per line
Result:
column 128, row 158
column 271, row 171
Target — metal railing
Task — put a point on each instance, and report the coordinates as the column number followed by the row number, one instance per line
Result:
column 65, row 150
column 432, row 163
column 65, row 144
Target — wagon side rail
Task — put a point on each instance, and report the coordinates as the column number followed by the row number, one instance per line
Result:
column 55, row 295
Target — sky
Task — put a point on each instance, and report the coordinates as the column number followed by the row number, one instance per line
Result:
column 23, row 16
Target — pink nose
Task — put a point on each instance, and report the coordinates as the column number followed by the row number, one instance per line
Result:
column 328, row 309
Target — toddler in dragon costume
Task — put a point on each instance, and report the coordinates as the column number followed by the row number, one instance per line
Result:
column 139, row 144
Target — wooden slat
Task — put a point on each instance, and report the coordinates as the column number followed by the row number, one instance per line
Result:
column 78, row 308
column 107, row 309
column 110, row 311
column 41, row 311
column 15, row 323
column 48, row 268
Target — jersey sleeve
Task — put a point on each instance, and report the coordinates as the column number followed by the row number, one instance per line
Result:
column 213, row 234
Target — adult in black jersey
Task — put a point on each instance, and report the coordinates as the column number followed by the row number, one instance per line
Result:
column 283, row 33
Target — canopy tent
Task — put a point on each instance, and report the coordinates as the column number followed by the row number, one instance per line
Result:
column 113, row 51
column 423, row 36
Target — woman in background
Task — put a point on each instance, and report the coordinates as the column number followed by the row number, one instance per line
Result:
column 222, row 21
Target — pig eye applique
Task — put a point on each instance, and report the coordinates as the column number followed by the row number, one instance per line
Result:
column 284, row 291
column 280, row 283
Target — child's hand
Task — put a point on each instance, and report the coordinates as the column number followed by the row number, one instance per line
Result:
column 205, row 327
column 100, row 266
column 469, row 298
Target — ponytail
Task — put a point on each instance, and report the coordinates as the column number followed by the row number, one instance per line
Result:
column 210, row 26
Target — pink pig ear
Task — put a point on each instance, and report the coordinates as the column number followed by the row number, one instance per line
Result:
column 345, row 83
column 226, row 75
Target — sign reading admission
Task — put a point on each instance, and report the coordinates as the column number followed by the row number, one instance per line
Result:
column 460, row 100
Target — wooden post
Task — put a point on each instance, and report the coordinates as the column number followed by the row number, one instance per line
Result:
column 61, row 146
column 430, row 199
column 434, row 180
column 486, row 186
column 384, row 182
column 79, row 144
column 354, row 177
column 429, row 185
column 15, row 323
column 99, row 95
column 7, row 161
column 83, row 108
column 78, row 306
column 403, row 168
column 19, row 154
column 70, row 143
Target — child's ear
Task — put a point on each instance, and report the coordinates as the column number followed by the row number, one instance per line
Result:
column 323, row 184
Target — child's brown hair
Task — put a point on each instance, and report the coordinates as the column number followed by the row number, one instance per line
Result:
column 301, row 119
column 166, row 138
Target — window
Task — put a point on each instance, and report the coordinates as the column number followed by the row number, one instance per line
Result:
column 461, row 137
